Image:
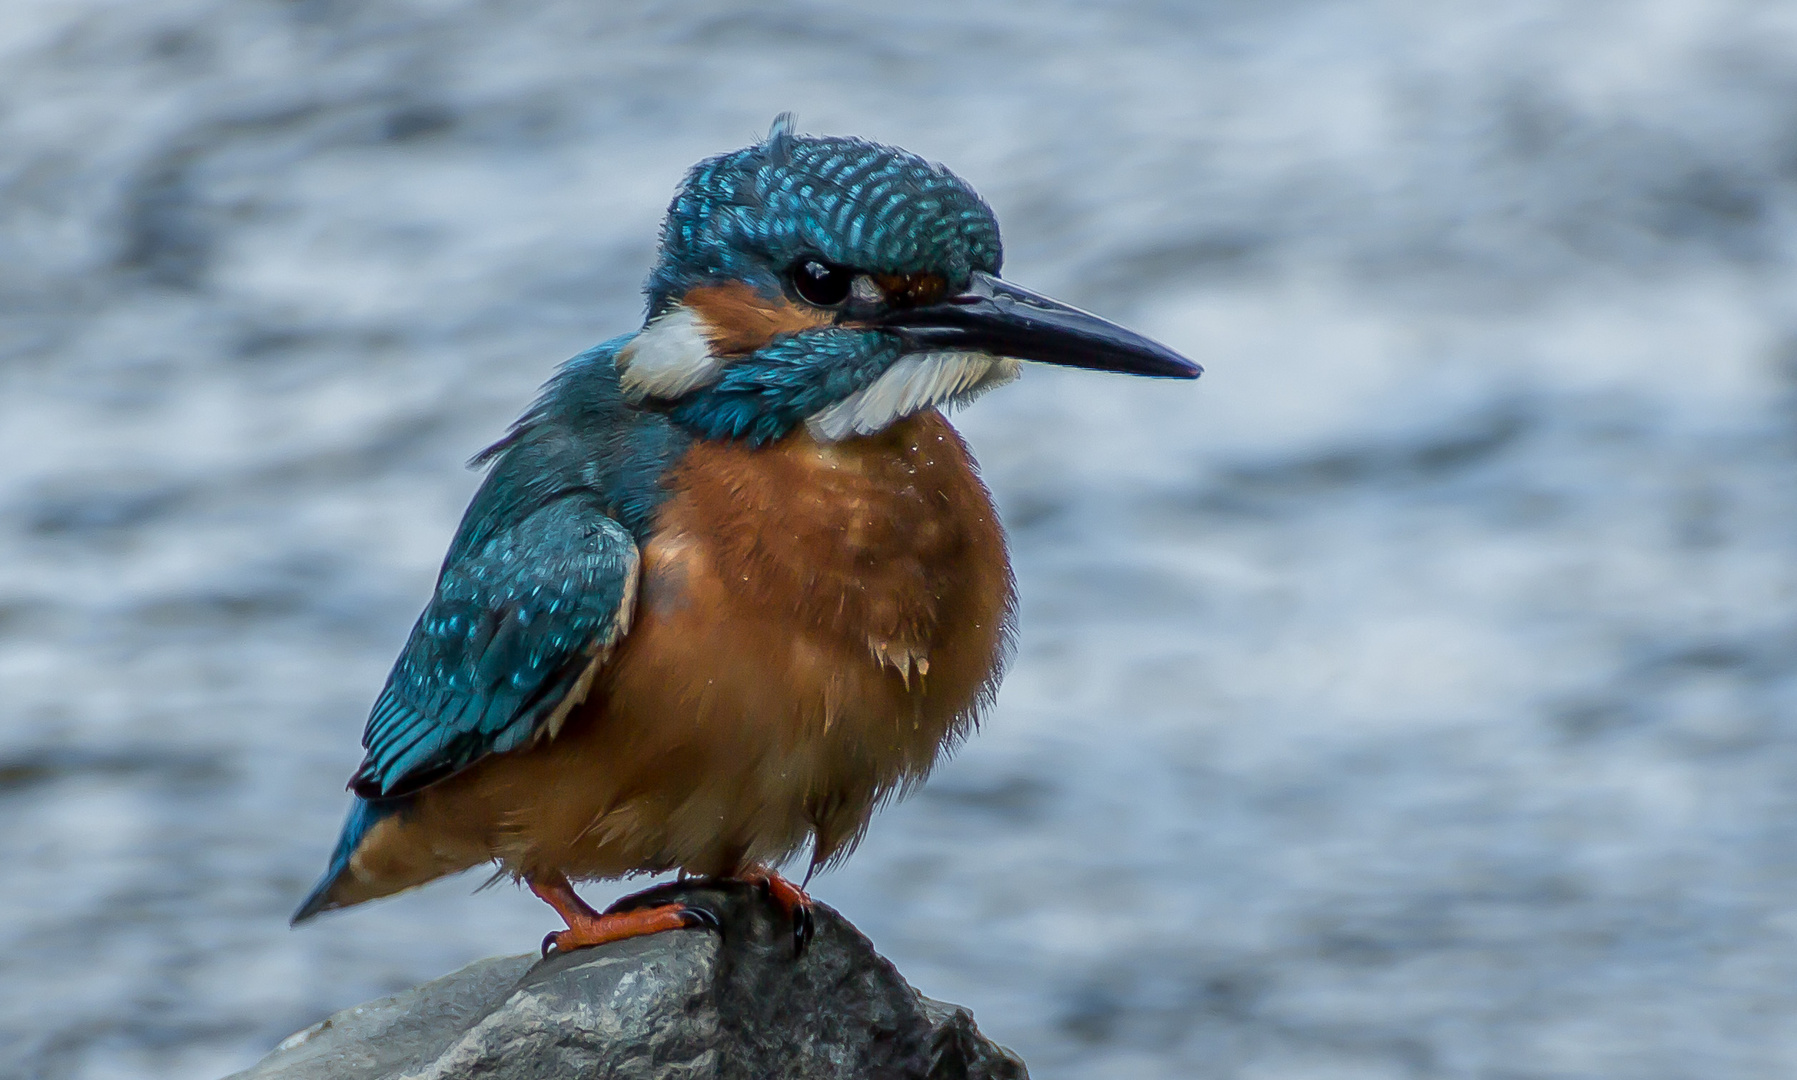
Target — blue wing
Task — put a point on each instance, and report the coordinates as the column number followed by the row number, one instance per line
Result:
column 515, row 625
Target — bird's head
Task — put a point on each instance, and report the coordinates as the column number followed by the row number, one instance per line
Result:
column 841, row 284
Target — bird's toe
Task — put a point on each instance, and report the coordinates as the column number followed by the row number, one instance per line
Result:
column 585, row 932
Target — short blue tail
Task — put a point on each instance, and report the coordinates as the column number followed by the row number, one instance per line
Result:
column 363, row 816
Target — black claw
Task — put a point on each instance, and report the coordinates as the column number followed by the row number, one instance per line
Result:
column 697, row 917
column 803, row 927
column 548, row 943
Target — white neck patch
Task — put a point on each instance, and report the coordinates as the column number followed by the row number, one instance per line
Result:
column 915, row 383
column 668, row 357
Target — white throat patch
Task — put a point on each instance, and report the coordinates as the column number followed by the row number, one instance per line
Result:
column 668, row 357
column 913, row 384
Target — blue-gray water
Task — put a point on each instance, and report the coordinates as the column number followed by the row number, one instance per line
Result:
column 1412, row 697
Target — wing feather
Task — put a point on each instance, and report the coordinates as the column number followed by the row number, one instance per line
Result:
column 514, row 626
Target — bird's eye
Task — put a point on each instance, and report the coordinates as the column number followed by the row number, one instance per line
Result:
column 821, row 283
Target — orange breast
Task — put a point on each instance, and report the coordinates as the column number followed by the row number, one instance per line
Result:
column 816, row 624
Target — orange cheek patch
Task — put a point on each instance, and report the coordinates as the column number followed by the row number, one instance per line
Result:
column 912, row 290
column 738, row 320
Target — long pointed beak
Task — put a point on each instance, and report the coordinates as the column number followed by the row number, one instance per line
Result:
column 998, row 317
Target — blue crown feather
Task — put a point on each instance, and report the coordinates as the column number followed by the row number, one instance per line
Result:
column 746, row 214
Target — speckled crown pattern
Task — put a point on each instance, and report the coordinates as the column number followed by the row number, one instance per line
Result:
column 845, row 200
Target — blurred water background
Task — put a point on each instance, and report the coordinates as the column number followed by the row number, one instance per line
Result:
column 1410, row 698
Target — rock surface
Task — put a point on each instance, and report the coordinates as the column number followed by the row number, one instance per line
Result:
column 689, row 1004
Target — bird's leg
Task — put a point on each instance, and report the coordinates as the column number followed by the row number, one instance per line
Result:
column 588, row 927
column 791, row 899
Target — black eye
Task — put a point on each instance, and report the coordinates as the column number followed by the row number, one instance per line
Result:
column 821, row 283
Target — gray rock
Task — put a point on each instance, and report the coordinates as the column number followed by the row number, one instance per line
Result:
column 688, row 1004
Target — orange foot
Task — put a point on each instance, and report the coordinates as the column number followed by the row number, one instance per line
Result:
column 588, row 927
column 792, row 901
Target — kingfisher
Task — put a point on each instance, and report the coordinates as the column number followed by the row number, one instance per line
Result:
column 732, row 582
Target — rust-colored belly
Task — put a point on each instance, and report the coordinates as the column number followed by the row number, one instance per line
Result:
column 816, row 624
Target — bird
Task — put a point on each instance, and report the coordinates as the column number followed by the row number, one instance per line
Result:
column 733, row 581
